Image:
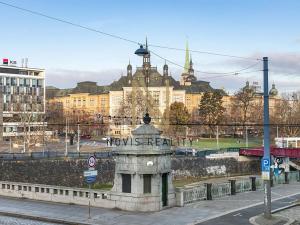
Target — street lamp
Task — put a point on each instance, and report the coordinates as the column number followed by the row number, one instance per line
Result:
column 144, row 52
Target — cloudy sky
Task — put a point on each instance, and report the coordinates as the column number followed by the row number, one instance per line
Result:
column 252, row 29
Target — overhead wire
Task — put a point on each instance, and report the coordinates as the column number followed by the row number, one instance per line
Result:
column 117, row 36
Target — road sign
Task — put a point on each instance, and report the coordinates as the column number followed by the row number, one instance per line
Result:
column 265, row 165
column 265, row 168
column 90, row 173
column 90, row 179
column 92, row 161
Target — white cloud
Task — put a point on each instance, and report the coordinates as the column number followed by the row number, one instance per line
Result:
column 63, row 78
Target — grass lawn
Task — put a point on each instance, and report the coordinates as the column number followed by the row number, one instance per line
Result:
column 211, row 143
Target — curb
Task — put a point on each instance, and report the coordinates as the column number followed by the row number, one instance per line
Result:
column 252, row 220
column 42, row 219
column 286, row 207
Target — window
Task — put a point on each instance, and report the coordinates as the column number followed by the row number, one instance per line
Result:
column 36, row 189
column 43, row 190
column 147, row 183
column 55, row 191
column 61, row 192
column 67, row 192
column 126, row 183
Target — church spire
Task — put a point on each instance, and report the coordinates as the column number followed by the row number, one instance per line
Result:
column 187, row 58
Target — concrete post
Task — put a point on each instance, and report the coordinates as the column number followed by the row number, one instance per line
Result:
column 232, row 187
column 208, row 191
column 253, row 184
column 286, row 177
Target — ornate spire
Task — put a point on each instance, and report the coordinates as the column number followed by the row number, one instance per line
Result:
column 187, row 58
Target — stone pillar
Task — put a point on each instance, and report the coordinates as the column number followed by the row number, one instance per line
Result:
column 208, row 191
column 286, row 177
column 253, row 184
column 232, row 187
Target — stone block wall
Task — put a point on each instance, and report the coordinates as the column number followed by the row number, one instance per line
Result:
column 70, row 172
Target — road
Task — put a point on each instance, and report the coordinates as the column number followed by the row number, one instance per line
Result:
column 243, row 216
column 5, row 220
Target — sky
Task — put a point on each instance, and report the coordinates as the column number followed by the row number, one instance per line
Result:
column 253, row 29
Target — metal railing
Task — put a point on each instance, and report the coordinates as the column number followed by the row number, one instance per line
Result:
column 220, row 190
column 243, row 185
column 194, row 194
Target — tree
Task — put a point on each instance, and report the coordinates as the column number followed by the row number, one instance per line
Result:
column 210, row 109
column 287, row 112
column 243, row 101
column 178, row 118
column 138, row 109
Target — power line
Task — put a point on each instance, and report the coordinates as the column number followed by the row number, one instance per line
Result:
column 117, row 36
column 69, row 23
column 206, row 72
column 205, row 52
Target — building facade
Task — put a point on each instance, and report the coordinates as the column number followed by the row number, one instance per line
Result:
column 23, row 99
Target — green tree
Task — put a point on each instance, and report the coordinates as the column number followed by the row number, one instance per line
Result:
column 178, row 118
column 210, row 109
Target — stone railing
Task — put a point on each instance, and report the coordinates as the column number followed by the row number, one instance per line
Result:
column 69, row 195
column 210, row 191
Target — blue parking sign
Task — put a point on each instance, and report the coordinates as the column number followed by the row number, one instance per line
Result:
column 265, row 164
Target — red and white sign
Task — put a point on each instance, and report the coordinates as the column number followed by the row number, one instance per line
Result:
column 92, row 161
column 5, row 61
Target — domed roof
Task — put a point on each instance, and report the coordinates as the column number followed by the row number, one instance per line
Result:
column 273, row 90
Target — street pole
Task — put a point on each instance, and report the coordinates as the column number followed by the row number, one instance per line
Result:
column 78, row 138
column 66, row 140
column 277, row 132
column 267, row 186
column 10, row 144
column 217, row 137
column 90, row 201
column 246, row 137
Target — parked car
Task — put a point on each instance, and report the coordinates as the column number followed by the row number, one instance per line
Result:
column 86, row 136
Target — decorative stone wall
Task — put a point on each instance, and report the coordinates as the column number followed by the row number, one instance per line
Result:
column 70, row 172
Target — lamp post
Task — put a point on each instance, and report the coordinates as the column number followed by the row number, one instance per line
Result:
column 144, row 52
column 266, row 158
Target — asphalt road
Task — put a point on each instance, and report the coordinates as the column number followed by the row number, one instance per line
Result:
column 5, row 220
column 243, row 216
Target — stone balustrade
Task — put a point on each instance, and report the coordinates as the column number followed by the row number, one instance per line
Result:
column 69, row 195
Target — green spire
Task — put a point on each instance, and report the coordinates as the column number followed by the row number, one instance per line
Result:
column 187, row 58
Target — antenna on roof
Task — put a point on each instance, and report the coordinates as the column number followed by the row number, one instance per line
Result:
column 26, row 62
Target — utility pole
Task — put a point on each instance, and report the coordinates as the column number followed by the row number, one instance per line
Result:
column 247, row 137
column 78, row 137
column 217, row 137
column 66, row 140
column 266, row 158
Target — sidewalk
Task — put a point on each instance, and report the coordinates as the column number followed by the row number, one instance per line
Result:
column 190, row 214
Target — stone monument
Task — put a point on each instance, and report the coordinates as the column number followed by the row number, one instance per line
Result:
column 143, row 175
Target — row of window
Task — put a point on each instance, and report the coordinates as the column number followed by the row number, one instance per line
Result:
column 23, row 99
column 19, row 107
column 22, row 90
column 22, row 82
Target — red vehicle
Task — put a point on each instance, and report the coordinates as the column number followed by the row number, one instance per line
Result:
column 86, row 136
